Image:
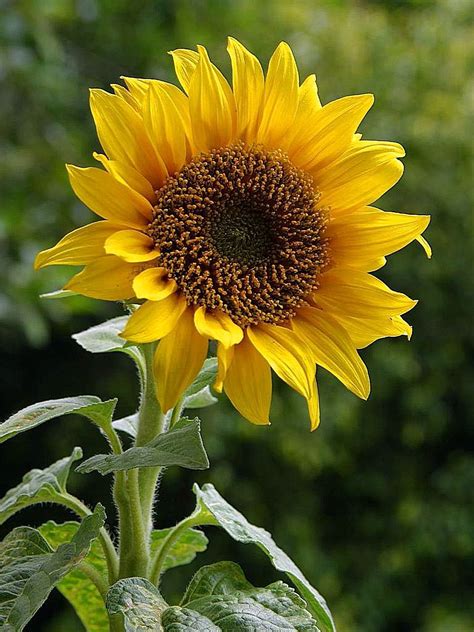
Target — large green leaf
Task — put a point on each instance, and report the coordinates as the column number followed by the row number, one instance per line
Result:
column 76, row 586
column 219, row 599
column 184, row 548
column 240, row 529
column 29, row 570
column 104, row 338
column 139, row 602
column 39, row 486
column 221, row 594
column 180, row 446
column 88, row 406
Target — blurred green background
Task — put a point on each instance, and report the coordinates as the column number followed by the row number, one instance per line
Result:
column 377, row 506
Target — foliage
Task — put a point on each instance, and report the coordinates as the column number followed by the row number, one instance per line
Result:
column 377, row 505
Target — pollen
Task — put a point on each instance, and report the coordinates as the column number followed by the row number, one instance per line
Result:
column 239, row 229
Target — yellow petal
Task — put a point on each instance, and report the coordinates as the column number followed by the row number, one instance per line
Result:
column 154, row 319
column 123, row 136
column 165, row 127
column 360, row 176
column 350, row 292
column 425, row 245
column 365, row 331
column 129, row 176
column 309, row 107
column 107, row 278
column 313, row 408
column 124, row 94
column 211, row 104
column 329, row 132
column 286, row 354
column 154, row 284
column 359, row 238
column 280, row 100
column 79, row 247
column 248, row 85
column 224, row 360
column 131, row 246
column 332, row 348
column 178, row 359
column 107, row 197
column 185, row 62
column 218, row 326
column 248, row 383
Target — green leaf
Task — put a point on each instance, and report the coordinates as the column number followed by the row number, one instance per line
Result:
column 76, row 587
column 29, row 570
column 226, row 601
column 127, row 424
column 180, row 446
column 38, row 486
column 238, row 527
column 86, row 405
column 104, row 338
column 206, row 377
column 139, row 602
column 183, row 550
column 201, row 399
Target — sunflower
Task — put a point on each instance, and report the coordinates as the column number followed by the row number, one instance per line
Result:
column 241, row 215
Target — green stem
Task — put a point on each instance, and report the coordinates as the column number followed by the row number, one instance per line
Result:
column 96, row 578
column 150, row 424
column 191, row 521
column 110, row 553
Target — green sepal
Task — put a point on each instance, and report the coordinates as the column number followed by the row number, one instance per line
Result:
column 76, row 586
column 29, row 569
column 206, row 377
column 182, row 445
column 39, row 486
column 128, row 424
column 211, row 504
column 89, row 406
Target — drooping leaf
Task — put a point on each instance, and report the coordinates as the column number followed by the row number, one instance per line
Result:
column 226, row 601
column 39, row 486
column 76, row 586
column 127, row 424
column 201, row 399
column 205, row 377
column 104, row 338
column 180, row 446
column 29, row 570
column 139, row 602
column 184, row 548
column 86, row 405
column 240, row 529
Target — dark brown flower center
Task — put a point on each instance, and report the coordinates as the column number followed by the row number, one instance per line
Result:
column 238, row 229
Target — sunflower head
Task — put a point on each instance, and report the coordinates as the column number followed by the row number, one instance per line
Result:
column 242, row 215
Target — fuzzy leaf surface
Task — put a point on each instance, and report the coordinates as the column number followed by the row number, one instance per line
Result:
column 104, row 338
column 39, row 486
column 201, row 399
column 29, row 570
column 139, row 602
column 241, row 530
column 76, row 586
column 180, row 446
column 89, row 406
column 205, row 377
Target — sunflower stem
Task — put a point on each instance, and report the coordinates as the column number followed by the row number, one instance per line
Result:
column 135, row 492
